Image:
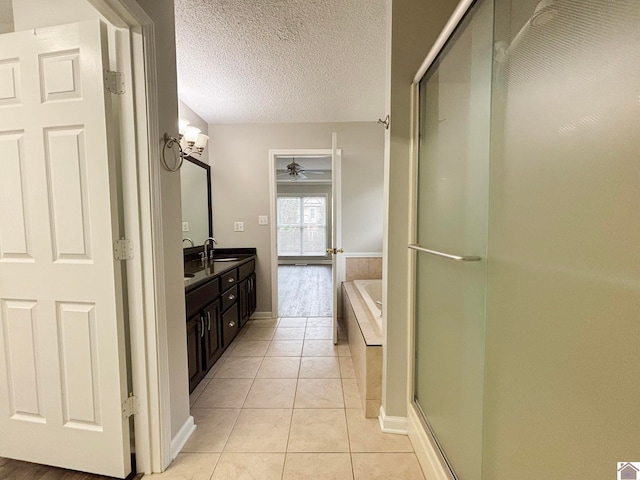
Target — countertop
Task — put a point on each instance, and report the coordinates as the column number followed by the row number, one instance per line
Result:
column 204, row 273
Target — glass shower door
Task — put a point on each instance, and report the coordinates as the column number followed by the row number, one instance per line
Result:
column 452, row 219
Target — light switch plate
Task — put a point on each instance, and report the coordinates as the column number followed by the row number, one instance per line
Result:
column 238, row 226
column 185, row 226
column 263, row 220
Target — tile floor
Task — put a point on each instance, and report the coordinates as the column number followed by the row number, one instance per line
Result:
column 283, row 403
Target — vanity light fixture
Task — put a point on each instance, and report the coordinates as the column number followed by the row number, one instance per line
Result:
column 190, row 141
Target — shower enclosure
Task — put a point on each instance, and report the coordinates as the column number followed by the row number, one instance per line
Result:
column 527, row 170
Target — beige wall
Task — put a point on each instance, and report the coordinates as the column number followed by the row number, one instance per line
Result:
column 161, row 12
column 240, row 171
column 415, row 25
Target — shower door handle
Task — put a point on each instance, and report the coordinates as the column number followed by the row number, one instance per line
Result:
column 456, row 258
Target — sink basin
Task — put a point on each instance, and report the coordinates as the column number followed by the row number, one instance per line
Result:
column 188, row 276
column 229, row 259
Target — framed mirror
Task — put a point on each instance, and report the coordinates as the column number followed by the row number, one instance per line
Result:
column 195, row 181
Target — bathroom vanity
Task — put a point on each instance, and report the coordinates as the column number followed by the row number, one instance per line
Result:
column 220, row 297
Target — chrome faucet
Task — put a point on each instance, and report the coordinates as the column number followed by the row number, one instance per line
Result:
column 187, row 240
column 208, row 254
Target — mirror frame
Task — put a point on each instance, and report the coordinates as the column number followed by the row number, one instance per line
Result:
column 207, row 168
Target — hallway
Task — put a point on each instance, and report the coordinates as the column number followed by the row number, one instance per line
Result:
column 283, row 403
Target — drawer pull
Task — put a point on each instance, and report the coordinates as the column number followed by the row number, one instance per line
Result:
column 231, row 280
column 209, row 321
column 232, row 324
column 201, row 327
column 231, row 297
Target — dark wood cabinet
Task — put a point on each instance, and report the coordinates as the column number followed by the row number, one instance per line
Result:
column 194, row 351
column 214, row 319
column 212, row 338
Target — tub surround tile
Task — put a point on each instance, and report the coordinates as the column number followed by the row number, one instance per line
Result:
column 372, row 408
column 271, row 393
column 365, row 435
column 224, row 393
column 260, row 430
column 239, row 367
column 363, row 268
column 319, row 393
column 189, row 466
column 213, row 426
column 385, row 466
column 318, row 430
column 249, row 466
column 284, row 348
column 319, row 367
column 370, row 331
column 314, row 466
column 279, row 367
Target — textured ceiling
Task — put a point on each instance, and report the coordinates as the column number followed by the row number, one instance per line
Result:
column 245, row 61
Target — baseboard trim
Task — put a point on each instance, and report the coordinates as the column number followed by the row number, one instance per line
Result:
column 390, row 424
column 261, row 315
column 426, row 450
column 182, row 437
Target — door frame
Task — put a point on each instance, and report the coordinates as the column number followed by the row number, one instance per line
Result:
column 141, row 187
column 273, row 194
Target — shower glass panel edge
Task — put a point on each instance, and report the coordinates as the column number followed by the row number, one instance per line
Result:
column 452, row 217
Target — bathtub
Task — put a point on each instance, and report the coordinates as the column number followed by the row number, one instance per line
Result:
column 371, row 292
column 361, row 318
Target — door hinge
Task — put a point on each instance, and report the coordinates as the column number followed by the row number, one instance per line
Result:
column 123, row 249
column 130, row 406
column 114, row 82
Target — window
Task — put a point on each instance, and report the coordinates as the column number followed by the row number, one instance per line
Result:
column 302, row 225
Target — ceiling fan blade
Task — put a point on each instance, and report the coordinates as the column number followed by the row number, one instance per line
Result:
column 300, row 175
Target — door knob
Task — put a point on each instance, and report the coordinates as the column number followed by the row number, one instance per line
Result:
column 335, row 250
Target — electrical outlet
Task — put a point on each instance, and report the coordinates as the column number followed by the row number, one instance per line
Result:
column 238, row 226
column 263, row 220
column 185, row 226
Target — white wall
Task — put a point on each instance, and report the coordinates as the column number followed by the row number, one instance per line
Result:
column 415, row 25
column 29, row 14
column 240, row 180
column 162, row 14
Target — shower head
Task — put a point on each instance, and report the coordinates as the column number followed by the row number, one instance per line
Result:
column 544, row 13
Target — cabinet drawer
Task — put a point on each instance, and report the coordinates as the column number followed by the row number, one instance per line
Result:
column 229, row 297
column 198, row 298
column 230, row 327
column 246, row 269
column 229, row 278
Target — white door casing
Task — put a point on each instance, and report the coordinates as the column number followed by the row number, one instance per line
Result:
column 62, row 354
column 336, row 229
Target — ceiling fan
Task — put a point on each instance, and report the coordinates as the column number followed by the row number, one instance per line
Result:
column 295, row 171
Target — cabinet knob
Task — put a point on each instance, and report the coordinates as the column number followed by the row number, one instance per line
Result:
column 232, row 324
column 231, row 297
column 231, row 280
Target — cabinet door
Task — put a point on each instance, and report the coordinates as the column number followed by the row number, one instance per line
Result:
column 230, row 325
column 244, row 301
column 212, row 340
column 251, row 294
column 194, row 351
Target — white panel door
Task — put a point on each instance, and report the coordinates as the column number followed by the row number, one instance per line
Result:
column 336, row 228
column 62, row 357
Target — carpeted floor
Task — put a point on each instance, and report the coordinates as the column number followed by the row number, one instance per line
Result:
column 304, row 291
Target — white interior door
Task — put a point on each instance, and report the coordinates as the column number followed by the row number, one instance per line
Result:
column 336, row 228
column 62, row 353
